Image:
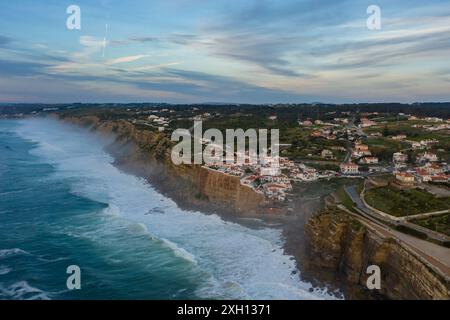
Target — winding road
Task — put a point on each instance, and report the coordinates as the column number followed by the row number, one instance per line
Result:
column 437, row 256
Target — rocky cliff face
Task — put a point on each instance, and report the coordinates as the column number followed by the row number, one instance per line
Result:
column 337, row 249
column 148, row 154
column 339, row 244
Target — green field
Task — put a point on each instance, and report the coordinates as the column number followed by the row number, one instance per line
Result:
column 439, row 224
column 345, row 199
column 383, row 147
column 401, row 203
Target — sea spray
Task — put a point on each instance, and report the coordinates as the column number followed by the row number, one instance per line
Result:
column 135, row 243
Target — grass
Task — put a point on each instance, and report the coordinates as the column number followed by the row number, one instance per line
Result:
column 384, row 146
column 439, row 224
column 401, row 203
column 324, row 166
column 345, row 199
column 356, row 225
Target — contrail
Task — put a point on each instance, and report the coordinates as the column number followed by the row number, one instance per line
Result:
column 104, row 40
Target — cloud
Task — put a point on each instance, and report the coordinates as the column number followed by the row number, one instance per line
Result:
column 91, row 45
column 134, row 39
column 251, row 51
column 21, row 68
column 143, row 39
column 126, row 59
column 265, row 51
column 4, row 41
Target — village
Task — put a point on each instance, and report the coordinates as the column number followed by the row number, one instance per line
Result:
column 276, row 182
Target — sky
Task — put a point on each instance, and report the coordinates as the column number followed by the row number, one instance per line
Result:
column 199, row 51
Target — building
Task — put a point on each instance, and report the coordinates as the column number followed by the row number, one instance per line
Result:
column 369, row 160
column 270, row 171
column 361, row 150
column 359, row 147
column 276, row 191
column 337, row 148
column 249, row 180
column 422, row 175
column 399, row 137
column 399, row 157
column 434, row 119
column 316, row 134
column 404, row 178
column 367, row 123
column 427, row 142
column 309, row 174
column 327, row 154
column 305, row 123
column 428, row 156
column 433, row 168
column 441, row 178
column 349, row 168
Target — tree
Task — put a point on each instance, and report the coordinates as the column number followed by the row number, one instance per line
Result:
column 386, row 131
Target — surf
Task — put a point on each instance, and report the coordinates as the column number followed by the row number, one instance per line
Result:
column 225, row 259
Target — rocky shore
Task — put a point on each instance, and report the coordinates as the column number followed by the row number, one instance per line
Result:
column 344, row 247
column 330, row 248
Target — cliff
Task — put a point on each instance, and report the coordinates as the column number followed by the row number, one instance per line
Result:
column 147, row 154
column 341, row 245
column 336, row 248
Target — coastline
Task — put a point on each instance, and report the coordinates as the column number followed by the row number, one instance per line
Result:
column 328, row 255
column 181, row 185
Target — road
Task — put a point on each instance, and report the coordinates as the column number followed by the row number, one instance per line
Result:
column 436, row 255
column 354, row 195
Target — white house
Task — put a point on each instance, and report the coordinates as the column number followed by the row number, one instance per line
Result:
column 349, row 168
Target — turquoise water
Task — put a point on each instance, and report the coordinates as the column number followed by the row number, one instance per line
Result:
column 62, row 203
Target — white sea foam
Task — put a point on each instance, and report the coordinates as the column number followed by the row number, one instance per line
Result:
column 180, row 252
column 11, row 252
column 241, row 262
column 4, row 270
column 112, row 210
column 21, row 290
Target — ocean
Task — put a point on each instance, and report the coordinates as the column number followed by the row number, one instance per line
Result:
column 63, row 202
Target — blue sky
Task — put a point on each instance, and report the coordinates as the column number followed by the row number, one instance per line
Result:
column 188, row 51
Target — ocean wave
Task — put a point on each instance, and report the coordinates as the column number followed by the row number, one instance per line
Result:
column 112, row 210
column 15, row 191
column 4, row 270
column 179, row 252
column 242, row 262
column 12, row 252
column 22, row 291
column 43, row 259
column 142, row 228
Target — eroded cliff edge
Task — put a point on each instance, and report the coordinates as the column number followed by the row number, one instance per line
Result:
column 336, row 249
column 340, row 244
column 147, row 154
